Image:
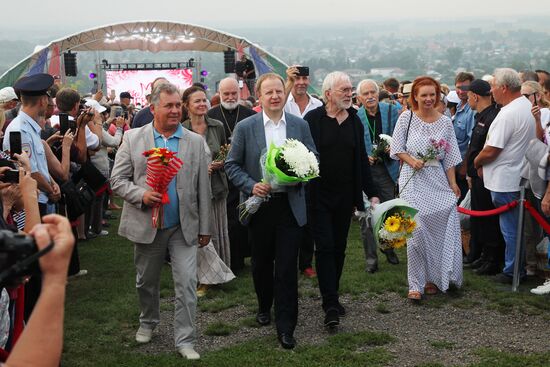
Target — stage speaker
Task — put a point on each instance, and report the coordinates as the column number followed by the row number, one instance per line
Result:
column 229, row 61
column 70, row 64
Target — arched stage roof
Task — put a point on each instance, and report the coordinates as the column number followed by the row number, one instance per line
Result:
column 153, row 36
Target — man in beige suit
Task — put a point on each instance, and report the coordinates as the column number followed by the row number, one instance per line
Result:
column 186, row 221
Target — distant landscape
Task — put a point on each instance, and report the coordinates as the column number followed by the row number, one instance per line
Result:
column 378, row 50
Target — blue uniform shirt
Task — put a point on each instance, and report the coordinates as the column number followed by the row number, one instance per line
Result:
column 463, row 123
column 171, row 215
column 32, row 144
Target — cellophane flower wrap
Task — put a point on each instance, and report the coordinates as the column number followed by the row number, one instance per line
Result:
column 162, row 167
column 288, row 165
column 380, row 150
column 393, row 223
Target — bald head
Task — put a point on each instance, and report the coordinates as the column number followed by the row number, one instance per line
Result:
column 229, row 93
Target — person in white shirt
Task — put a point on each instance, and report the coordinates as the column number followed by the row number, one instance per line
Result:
column 500, row 161
column 299, row 101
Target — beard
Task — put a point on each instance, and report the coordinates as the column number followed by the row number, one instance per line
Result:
column 229, row 105
column 343, row 105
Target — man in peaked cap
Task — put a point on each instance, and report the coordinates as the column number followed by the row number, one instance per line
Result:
column 33, row 94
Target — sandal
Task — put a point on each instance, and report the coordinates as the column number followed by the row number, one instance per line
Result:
column 414, row 296
column 430, row 289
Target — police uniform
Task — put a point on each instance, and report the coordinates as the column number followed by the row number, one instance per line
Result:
column 31, row 142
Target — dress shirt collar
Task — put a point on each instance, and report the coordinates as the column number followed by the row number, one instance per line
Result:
column 267, row 120
column 178, row 134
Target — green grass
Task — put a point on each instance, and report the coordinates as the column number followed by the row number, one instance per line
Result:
column 442, row 344
column 102, row 313
column 219, row 328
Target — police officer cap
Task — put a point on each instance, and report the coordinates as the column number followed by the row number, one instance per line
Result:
column 34, row 85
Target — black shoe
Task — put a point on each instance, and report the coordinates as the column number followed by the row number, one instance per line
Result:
column 503, row 278
column 489, row 268
column 263, row 318
column 331, row 318
column 391, row 256
column 341, row 310
column 371, row 268
column 91, row 235
column 478, row 263
column 287, row 340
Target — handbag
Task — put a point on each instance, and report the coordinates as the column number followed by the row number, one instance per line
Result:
column 396, row 186
column 77, row 197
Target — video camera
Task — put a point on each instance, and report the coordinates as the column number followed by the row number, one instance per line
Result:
column 18, row 258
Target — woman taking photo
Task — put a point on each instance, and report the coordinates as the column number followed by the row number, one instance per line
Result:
column 212, row 259
column 425, row 142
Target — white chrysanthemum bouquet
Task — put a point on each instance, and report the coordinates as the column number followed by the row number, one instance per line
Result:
column 288, row 165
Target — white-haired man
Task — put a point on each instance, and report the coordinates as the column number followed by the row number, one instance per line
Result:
column 500, row 161
column 230, row 112
column 344, row 176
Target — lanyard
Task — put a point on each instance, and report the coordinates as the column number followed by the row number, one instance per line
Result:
column 372, row 128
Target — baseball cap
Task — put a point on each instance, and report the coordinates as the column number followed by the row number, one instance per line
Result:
column 7, row 94
column 479, row 87
column 95, row 105
column 452, row 97
column 126, row 95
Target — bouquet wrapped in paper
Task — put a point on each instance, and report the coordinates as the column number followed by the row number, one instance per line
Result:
column 162, row 167
column 393, row 223
column 288, row 165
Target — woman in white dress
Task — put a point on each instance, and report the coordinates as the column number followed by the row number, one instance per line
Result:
column 212, row 259
column 435, row 251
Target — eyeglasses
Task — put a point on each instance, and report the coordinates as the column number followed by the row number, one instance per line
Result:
column 345, row 90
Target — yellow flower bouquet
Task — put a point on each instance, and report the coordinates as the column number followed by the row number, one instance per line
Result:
column 393, row 223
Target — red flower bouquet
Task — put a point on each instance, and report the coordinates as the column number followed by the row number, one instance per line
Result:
column 162, row 167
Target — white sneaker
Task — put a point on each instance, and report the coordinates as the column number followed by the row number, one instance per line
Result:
column 189, row 353
column 144, row 335
column 542, row 289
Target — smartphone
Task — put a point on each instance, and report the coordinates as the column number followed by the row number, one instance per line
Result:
column 126, row 115
column 11, row 176
column 63, row 123
column 15, row 143
column 7, row 163
column 118, row 112
column 303, row 70
column 535, row 99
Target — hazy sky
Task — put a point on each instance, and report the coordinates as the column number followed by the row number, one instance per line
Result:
column 78, row 15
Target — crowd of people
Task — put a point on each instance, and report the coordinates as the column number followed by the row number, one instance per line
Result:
column 73, row 153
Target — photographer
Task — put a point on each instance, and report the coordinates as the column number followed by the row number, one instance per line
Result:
column 41, row 342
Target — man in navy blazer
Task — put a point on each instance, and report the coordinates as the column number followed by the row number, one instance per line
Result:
column 276, row 230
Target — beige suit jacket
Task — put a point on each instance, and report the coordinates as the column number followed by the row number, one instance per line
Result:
column 192, row 184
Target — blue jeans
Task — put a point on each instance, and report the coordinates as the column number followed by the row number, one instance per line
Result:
column 509, row 228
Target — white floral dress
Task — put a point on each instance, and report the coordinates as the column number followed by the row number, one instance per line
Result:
column 435, row 250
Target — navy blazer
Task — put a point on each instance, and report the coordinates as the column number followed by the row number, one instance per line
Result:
column 248, row 144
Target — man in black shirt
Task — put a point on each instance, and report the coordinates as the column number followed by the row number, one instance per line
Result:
column 485, row 231
column 344, row 176
column 245, row 69
column 230, row 112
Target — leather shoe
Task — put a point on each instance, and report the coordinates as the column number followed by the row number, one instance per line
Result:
column 371, row 268
column 341, row 310
column 478, row 263
column 263, row 318
column 287, row 340
column 391, row 256
column 331, row 318
column 489, row 268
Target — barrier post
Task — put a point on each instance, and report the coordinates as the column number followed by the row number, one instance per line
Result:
column 519, row 239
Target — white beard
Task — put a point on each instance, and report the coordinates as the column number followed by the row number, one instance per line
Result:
column 229, row 105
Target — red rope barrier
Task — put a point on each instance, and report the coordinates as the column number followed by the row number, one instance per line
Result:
column 535, row 214
column 487, row 213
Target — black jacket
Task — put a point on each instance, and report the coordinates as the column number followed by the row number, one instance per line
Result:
column 362, row 181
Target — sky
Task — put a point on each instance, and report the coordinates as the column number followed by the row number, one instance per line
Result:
column 40, row 14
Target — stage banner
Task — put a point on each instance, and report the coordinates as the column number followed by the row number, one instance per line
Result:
column 138, row 82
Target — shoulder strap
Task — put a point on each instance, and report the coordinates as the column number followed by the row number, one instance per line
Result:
column 396, row 189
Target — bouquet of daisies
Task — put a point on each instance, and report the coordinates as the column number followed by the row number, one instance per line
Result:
column 393, row 223
column 380, row 150
column 288, row 165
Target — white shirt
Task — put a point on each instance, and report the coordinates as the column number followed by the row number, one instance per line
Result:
column 544, row 121
column 292, row 107
column 274, row 132
column 92, row 140
column 512, row 130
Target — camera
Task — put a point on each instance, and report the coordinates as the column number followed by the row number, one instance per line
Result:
column 303, row 70
column 18, row 258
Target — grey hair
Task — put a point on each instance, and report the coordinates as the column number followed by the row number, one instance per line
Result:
column 163, row 88
column 330, row 80
column 507, row 77
column 365, row 81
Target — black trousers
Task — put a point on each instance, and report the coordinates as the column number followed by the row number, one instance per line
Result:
column 330, row 225
column 485, row 231
column 276, row 237
column 239, row 245
column 306, row 249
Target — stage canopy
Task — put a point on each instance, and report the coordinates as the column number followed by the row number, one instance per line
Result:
column 153, row 36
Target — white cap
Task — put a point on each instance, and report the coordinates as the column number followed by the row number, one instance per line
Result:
column 452, row 97
column 7, row 94
column 95, row 105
